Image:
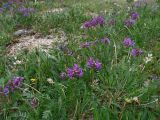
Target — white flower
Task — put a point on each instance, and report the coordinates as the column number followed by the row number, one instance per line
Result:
column 148, row 58
column 135, row 99
column 128, row 8
column 50, row 81
column 17, row 62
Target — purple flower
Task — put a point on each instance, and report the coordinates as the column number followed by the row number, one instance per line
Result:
column 129, row 22
column 90, row 63
column 100, row 20
column 134, row 15
column 63, row 75
column 95, row 64
column 94, row 22
column 1, row 10
column 87, row 24
column 70, row 72
column 34, row 102
column 98, row 65
column 26, row 11
column 78, row 71
column 128, row 42
column 6, row 90
column 22, row 9
column 17, row 81
column 11, row 85
column 136, row 52
column 105, row 40
column 85, row 44
column 75, row 71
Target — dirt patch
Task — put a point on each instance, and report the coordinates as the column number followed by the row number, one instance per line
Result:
column 31, row 42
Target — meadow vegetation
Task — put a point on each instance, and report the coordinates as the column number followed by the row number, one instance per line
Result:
column 108, row 68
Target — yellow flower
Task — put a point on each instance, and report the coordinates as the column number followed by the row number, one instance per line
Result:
column 33, row 80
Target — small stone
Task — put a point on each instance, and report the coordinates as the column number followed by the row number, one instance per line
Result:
column 23, row 32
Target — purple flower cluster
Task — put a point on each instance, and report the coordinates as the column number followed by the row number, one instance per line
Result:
column 128, row 42
column 88, row 44
column 12, row 5
column 134, row 15
column 26, row 11
column 132, row 20
column 75, row 71
column 94, row 22
column 129, row 22
column 136, row 52
column 95, row 64
column 11, row 85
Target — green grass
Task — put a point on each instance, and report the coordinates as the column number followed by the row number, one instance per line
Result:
column 116, row 92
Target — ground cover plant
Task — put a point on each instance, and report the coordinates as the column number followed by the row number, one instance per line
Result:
column 102, row 60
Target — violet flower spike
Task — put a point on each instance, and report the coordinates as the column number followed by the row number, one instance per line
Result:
column 101, row 20
column 134, row 15
column 75, row 71
column 94, row 64
column 94, row 22
column 98, row 65
column 129, row 22
column 128, row 42
column 6, row 90
column 136, row 52
column 87, row 24
column 17, row 81
column 90, row 63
